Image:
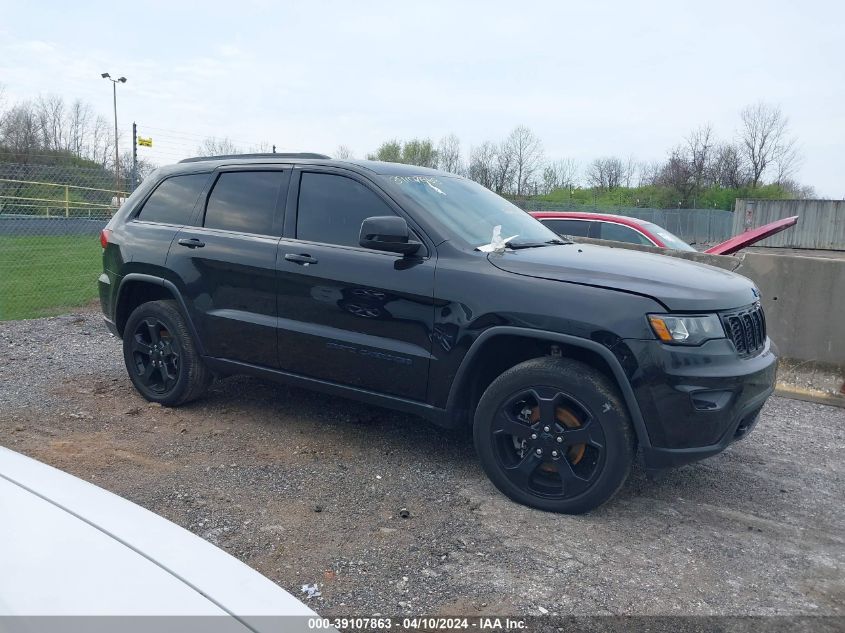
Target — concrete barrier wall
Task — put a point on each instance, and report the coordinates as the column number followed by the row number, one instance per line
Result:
column 803, row 297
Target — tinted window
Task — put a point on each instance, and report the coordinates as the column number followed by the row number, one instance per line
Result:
column 620, row 233
column 173, row 200
column 332, row 208
column 245, row 201
column 577, row 228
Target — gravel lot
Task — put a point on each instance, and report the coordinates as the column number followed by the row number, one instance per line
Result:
column 308, row 489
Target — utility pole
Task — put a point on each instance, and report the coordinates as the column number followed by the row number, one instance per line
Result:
column 134, row 155
column 114, row 83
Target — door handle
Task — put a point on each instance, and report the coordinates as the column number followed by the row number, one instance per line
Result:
column 301, row 258
column 191, row 243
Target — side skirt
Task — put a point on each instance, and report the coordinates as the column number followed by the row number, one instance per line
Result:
column 427, row 411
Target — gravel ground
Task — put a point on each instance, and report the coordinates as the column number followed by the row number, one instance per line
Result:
column 308, row 489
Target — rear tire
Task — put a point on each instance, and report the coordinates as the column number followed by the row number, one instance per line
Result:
column 160, row 355
column 554, row 434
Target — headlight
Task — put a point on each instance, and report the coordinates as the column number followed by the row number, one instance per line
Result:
column 686, row 330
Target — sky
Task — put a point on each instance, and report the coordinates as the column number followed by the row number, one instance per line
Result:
column 591, row 79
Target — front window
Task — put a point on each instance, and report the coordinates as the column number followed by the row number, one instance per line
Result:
column 470, row 211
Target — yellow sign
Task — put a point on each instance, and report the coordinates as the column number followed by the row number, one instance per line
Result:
column 145, row 142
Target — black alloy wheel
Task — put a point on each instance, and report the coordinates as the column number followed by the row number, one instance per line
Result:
column 548, row 443
column 160, row 356
column 156, row 355
column 554, row 434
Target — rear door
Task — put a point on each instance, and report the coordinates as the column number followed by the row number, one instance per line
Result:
column 348, row 314
column 150, row 231
column 226, row 263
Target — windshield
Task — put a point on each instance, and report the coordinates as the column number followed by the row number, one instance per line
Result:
column 470, row 211
column 671, row 240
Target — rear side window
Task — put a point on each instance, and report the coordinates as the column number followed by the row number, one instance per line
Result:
column 576, row 228
column 173, row 200
column 620, row 233
column 245, row 201
column 332, row 208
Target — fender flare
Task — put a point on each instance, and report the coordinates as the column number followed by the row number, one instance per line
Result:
column 575, row 341
column 171, row 287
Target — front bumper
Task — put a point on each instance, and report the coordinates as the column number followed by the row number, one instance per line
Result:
column 695, row 401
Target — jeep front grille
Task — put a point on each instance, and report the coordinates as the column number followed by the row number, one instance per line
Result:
column 747, row 329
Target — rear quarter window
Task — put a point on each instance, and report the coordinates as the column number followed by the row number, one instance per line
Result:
column 173, row 200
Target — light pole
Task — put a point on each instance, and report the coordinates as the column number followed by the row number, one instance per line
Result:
column 114, row 83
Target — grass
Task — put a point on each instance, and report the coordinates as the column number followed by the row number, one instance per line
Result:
column 46, row 275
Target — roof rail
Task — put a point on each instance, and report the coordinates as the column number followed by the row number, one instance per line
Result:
column 198, row 159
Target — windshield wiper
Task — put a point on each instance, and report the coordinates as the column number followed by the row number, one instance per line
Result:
column 516, row 244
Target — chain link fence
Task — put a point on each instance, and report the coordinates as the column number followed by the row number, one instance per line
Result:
column 50, row 219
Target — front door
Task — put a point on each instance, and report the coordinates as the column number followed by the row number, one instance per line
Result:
column 347, row 314
column 226, row 264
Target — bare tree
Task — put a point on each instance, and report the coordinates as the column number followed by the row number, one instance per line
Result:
column 343, row 152
column 606, row 174
column 21, row 131
column 727, row 169
column 100, row 143
column 649, row 173
column 560, row 174
column 503, row 170
column 217, row 147
column 482, row 164
column 143, row 168
column 797, row 190
column 699, row 150
column 629, row 172
column 51, row 119
column 79, row 124
column 787, row 164
column 764, row 140
column 449, row 154
column 526, row 154
column 677, row 174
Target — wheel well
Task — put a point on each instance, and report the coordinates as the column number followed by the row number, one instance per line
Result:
column 501, row 353
column 133, row 294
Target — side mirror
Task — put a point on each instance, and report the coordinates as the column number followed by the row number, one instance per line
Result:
column 387, row 233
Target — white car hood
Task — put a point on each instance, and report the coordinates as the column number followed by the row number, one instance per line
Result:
column 68, row 547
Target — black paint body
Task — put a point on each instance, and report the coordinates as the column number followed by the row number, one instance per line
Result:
column 407, row 332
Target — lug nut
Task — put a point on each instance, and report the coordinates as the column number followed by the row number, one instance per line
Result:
column 559, row 439
column 533, row 436
column 554, row 453
column 539, row 451
column 546, row 429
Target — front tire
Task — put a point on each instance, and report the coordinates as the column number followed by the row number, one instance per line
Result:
column 160, row 355
column 553, row 434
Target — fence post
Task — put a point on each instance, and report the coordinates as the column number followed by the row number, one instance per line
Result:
column 135, row 155
column 67, row 201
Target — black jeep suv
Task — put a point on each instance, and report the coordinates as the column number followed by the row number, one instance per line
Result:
column 383, row 282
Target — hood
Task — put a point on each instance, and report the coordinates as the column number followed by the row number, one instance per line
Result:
column 678, row 284
column 752, row 236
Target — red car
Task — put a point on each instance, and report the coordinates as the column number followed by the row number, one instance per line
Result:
column 621, row 228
